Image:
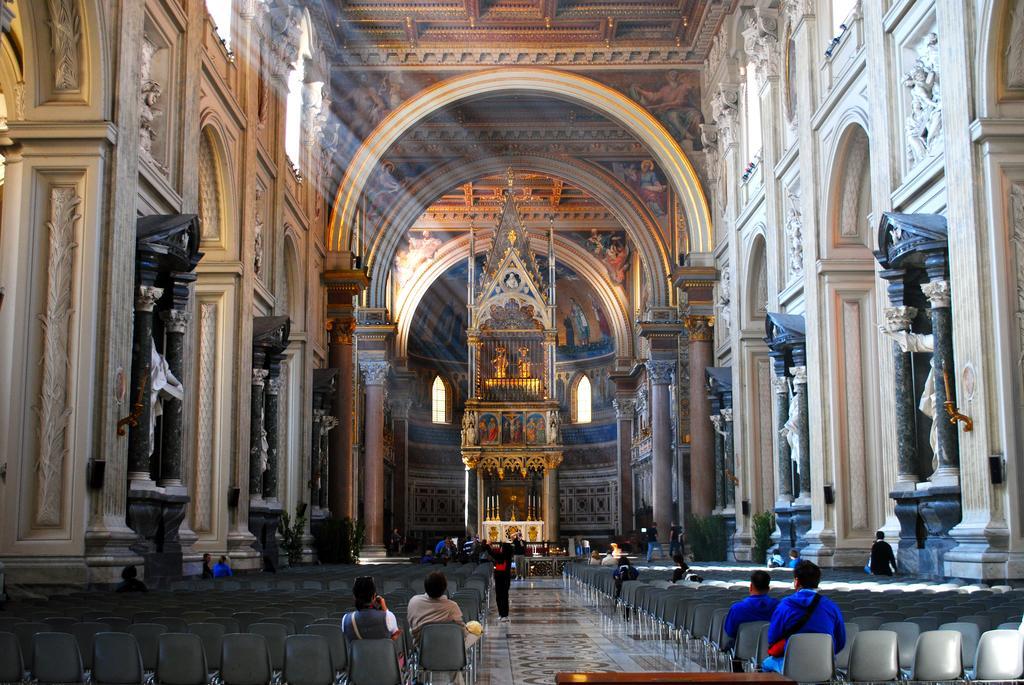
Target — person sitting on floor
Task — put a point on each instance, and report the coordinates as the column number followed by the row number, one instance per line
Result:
column 130, row 581
column 805, row 611
column 759, row 606
column 221, row 569
column 794, row 558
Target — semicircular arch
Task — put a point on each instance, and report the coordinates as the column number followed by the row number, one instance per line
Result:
column 631, row 214
column 562, row 85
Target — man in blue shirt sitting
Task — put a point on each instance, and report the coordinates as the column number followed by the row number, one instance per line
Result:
column 757, row 607
column 805, row 611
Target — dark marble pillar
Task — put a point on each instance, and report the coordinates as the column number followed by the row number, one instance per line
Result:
column 716, row 421
column 316, row 440
column 259, row 379
column 948, row 471
column 140, row 445
column 271, row 424
column 729, row 461
column 898, row 320
column 803, row 429
column 785, row 466
column 175, row 323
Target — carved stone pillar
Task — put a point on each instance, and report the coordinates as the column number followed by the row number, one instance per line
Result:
column 716, row 423
column 140, row 444
column 899, row 319
column 375, row 374
column 660, row 374
column 624, row 412
column 700, row 331
column 729, row 461
column 552, row 509
column 271, row 424
column 259, row 380
column 339, row 486
column 316, row 467
column 175, row 323
column 803, row 430
column 785, row 466
column 938, row 293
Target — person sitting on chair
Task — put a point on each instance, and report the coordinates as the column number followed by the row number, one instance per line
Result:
column 433, row 607
column 130, row 581
column 371, row 619
column 759, row 606
column 805, row 611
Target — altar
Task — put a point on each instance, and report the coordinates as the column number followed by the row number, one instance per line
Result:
column 501, row 531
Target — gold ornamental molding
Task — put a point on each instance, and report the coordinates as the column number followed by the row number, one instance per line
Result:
column 502, row 463
column 699, row 327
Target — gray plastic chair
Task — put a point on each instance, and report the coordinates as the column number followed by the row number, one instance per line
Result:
column 191, row 617
column 275, row 635
column 118, row 624
column 307, row 661
column 116, row 660
column 874, row 657
column 442, row 648
column 172, row 623
column 970, row 636
column 373, row 662
column 212, row 635
column 762, row 645
column 843, row 656
column 299, row 619
column 937, row 656
column 181, row 660
column 744, row 648
column 7, row 623
column 983, row 622
column 85, row 633
column 925, row 622
column 145, row 616
column 230, row 624
column 12, row 666
column 288, row 623
column 906, row 640
column 809, row 658
column 25, row 632
column 246, row 619
column 866, row 622
column 148, row 637
column 60, row 624
column 56, row 658
column 1000, row 656
column 245, row 660
column 336, row 642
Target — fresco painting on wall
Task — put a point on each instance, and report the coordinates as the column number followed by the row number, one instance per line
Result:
column 438, row 330
column 613, row 251
column 645, row 179
column 672, row 97
column 584, row 329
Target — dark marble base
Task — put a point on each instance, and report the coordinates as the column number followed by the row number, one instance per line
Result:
column 156, row 517
column 787, row 537
column 730, row 536
column 926, row 517
column 801, row 524
column 264, row 519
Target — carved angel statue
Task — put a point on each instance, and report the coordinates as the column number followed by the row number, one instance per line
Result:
column 553, row 421
column 163, row 384
column 915, row 342
column 469, row 429
column 500, row 362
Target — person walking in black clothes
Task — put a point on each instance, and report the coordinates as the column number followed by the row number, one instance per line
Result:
column 519, row 556
column 883, row 561
column 501, row 555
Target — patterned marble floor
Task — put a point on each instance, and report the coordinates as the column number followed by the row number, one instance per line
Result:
column 552, row 630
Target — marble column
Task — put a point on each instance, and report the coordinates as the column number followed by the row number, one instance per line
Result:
column 272, row 424
column 140, row 445
column 624, row 412
column 785, row 466
column 716, row 422
column 327, row 424
column 551, row 508
column 339, row 485
column 803, row 430
column 259, row 379
column 175, row 323
column 700, row 331
column 729, row 461
column 660, row 374
column 948, row 471
column 897, row 320
column 375, row 374
column 315, row 467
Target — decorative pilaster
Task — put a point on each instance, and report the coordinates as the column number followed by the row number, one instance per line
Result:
column 140, row 446
column 271, row 427
column 375, row 374
column 897, row 320
column 803, row 429
column 175, row 324
column 729, row 460
column 948, row 456
column 257, row 434
column 659, row 372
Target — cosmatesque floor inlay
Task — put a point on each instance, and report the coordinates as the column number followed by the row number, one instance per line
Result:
column 552, row 630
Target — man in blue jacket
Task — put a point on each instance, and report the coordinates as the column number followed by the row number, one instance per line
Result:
column 757, row 607
column 805, row 611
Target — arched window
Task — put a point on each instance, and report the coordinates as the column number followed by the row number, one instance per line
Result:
column 582, row 400
column 293, row 105
column 752, row 114
column 220, row 12
column 439, row 401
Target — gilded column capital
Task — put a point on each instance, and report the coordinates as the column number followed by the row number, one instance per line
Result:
column 374, row 372
column 341, row 331
column 175, row 320
column 146, row 297
column 660, row 370
column 552, row 461
column 898, row 318
column 700, row 327
column 938, row 293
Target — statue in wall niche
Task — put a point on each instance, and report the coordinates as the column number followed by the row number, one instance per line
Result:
column 469, row 437
column 791, row 429
column 523, row 363
column 257, row 234
column 915, row 342
column 553, row 421
column 149, row 94
column 724, row 300
column 924, row 123
column 1015, row 48
column 500, row 362
column 163, row 384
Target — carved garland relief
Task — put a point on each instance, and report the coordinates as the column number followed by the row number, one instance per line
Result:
column 65, row 37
